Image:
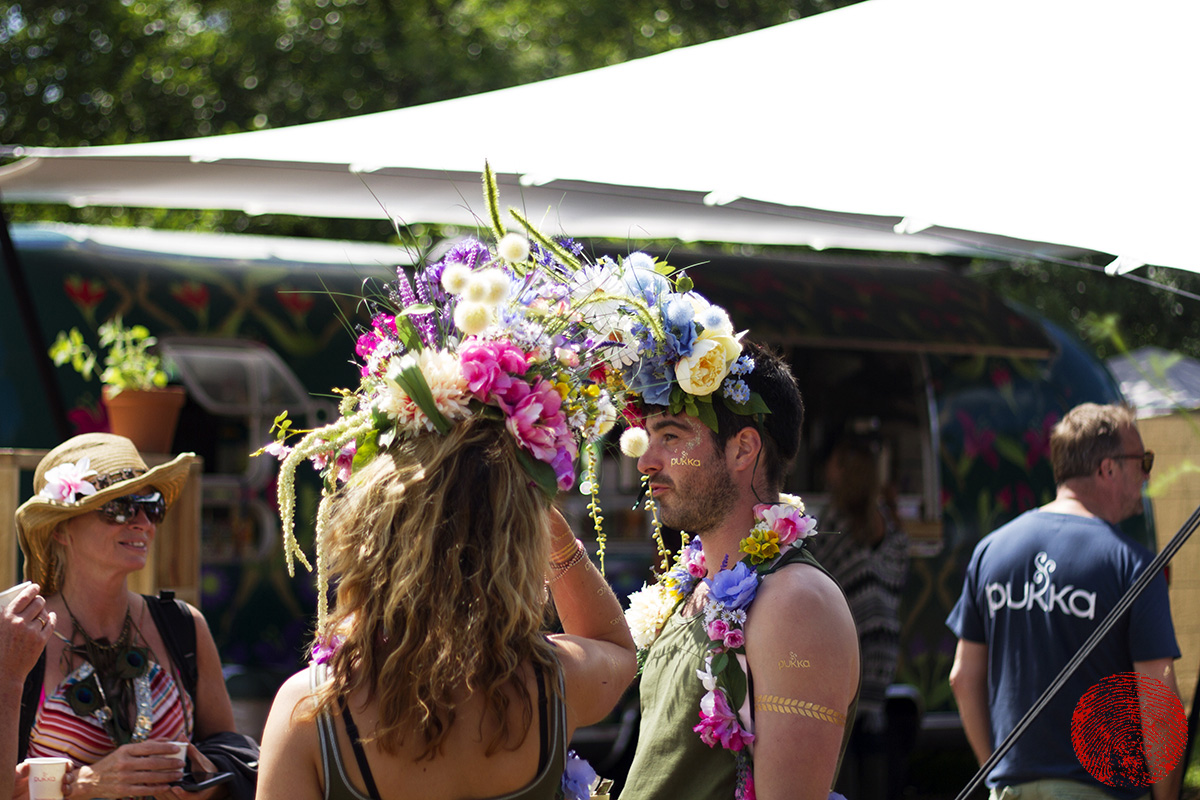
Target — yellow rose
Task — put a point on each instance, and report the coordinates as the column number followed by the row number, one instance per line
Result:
column 702, row 372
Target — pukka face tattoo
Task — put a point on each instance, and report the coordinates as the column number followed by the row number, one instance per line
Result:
column 786, row 705
column 684, row 460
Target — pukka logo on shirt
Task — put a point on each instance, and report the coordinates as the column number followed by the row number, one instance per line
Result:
column 1066, row 599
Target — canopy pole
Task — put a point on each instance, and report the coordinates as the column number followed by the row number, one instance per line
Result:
column 23, row 299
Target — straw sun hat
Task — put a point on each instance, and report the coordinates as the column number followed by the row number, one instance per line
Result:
column 111, row 467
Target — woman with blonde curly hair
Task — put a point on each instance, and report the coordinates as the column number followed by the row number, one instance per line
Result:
column 438, row 680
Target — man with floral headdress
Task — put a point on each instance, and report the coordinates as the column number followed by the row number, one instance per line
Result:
column 748, row 645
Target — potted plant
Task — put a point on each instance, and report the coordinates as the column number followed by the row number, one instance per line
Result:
column 140, row 404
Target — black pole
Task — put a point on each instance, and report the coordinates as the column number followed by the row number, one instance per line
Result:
column 23, row 300
column 1135, row 591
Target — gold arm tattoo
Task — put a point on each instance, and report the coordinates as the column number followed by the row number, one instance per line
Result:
column 785, row 705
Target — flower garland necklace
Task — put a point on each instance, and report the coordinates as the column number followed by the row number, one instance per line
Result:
column 778, row 528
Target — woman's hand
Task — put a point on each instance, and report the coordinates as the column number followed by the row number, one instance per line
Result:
column 132, row 770
column 200, row 763
column 21, row 782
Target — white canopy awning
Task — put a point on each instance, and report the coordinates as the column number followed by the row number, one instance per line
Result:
column 966, row 125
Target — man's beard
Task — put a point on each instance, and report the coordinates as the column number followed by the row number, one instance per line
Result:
column 703, row 505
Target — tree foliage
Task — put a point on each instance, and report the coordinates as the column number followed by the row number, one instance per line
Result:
column 94, row 72
column 1111, row 312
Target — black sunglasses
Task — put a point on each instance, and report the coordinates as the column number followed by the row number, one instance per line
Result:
column 124, row 509
column 1147, row 459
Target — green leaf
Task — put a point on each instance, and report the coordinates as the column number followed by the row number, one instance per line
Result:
column 755, row 405
column 417, row 308
column 684, row 284
column 706, row 413
column 368, row 448
column 387, row 437
column 408, row 334
column 541, row 473
column 720, row 663
column 412, row 381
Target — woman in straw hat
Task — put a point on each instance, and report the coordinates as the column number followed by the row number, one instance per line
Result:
column 112, row 697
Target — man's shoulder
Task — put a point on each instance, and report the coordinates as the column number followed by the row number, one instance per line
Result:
column 798, row 591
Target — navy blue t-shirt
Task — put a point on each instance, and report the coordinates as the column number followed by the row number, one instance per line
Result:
column 1035, row 590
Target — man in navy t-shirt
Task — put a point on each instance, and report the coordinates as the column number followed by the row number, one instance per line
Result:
column 1036, row 589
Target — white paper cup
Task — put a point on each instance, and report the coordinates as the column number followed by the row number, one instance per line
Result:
column 181, row 751
column 46, row 777
column 8, row 595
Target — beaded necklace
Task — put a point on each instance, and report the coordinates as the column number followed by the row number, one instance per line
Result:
column 778, row 528
column 112, row 672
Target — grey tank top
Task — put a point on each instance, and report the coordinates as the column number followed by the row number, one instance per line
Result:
column 552, row 730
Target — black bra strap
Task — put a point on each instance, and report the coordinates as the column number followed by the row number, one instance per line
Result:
column 359, row 755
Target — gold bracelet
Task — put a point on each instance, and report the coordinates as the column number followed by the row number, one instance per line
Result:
column 565, row 552
column 563, row 568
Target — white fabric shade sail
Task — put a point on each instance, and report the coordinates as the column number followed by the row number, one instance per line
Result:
column 1031, row 127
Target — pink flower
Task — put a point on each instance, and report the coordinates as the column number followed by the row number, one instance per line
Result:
column 536, row 420
column 735, row 639
column 277, row 449
column 323, row 650
column 488, row 365
column 717, row 630
column 787, row 521
column 345, row 461
column 719, row 724
column 693, row 559
column 67, row 480
column 88, row 419
column 978, row 443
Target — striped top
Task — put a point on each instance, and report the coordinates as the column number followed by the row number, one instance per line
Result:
column 58, row 731
column 873, row 579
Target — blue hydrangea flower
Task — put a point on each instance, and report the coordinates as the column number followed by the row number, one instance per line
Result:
column 736, row 587
column 680, row 326
column 578, row 778
column 743, row 366
column 652, row 377
column 737, row 391
column 645, row 283
column 713, row 317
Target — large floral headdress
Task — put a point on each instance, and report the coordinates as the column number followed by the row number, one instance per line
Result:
column 528, row 332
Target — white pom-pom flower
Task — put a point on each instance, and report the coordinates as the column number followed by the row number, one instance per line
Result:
column 498, row 285
column 635, row 442
column 456, row 277
column 513, row 248
column 473, row 318
column 476, row 290
column 649, row 608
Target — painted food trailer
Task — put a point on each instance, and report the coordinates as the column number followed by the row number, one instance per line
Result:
column 961, row 388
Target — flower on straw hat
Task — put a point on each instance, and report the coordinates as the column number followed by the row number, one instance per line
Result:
column 80, row 475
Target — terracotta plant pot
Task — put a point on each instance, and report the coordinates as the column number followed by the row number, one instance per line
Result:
column 147, row 417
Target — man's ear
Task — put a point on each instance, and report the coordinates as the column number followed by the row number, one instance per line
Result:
column 743, row 449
